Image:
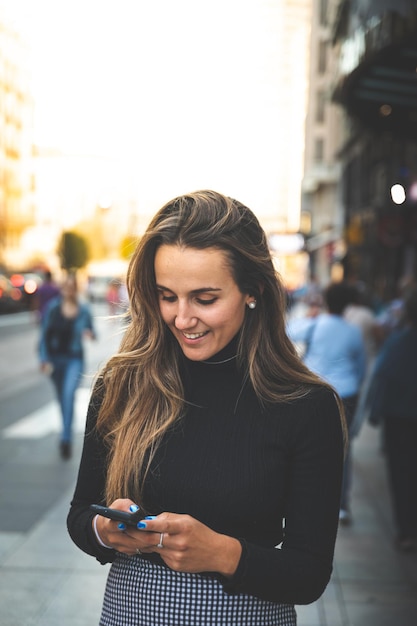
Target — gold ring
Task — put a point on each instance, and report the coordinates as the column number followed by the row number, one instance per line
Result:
column 138, row 551
column 161, row 539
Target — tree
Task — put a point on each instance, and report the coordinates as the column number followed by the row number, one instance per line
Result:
column 128, row 246
column 73, row 251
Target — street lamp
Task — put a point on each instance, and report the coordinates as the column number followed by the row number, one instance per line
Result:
column 398, row 194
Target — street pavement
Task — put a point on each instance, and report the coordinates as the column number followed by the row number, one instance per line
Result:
column 46, row 581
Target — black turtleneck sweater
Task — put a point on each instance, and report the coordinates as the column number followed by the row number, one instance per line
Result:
column 268, row 476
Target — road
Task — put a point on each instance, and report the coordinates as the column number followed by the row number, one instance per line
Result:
column 32, row 474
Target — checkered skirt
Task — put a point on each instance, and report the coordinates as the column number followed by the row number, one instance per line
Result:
column 141, row 593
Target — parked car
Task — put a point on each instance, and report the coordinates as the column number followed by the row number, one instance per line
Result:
column 11, row 297
column 27, row 283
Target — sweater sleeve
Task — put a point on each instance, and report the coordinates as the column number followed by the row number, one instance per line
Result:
column 298, row 571
column 89, row 487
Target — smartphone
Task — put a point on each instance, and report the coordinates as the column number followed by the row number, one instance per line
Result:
column 119, row 516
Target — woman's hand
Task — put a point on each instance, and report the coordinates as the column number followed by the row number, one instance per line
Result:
column 187, row 545
column 118, row 535
column 184, row 543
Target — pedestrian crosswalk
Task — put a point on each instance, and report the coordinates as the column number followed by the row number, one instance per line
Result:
column 47, row 419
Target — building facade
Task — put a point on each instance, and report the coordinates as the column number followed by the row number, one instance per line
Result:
column 17, row 211
column 322, row 216
column 375, row 42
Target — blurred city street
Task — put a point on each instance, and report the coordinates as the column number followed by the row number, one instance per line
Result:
column 46, row 581
column 108, row 110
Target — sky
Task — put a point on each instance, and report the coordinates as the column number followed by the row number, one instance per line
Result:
column 182, row 93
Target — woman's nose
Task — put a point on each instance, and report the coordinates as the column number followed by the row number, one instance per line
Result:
column 184, row 318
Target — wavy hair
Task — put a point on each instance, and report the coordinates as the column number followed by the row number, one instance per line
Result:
column 143, row 392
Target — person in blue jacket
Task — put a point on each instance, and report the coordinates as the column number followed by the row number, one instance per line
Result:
column 65, row 324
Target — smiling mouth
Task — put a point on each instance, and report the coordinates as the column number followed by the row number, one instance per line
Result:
column 194, row 335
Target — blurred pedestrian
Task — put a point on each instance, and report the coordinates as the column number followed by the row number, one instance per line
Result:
column 65, row 323
column 301, row 316
column 360, row 313
column 113, row 296
column 308, row 301
column 124, row 296
column 392, row 316
column 335, row 350
column 208, row 420
column 393, row 402
column 314, row 304
column 48, row 290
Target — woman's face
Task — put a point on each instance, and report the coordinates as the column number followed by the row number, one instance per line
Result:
column 199, row 299
column 69, row 288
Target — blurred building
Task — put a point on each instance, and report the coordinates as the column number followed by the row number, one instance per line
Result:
column 17, row 210
column 88, row 193
column 288, row 23
column 322, row 211
column 375, row 42
column 71, row 179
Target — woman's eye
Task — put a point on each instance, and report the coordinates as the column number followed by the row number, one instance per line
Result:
column 204, row 302
column 167, row 298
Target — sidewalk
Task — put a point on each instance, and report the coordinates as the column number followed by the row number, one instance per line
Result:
column 46, row 581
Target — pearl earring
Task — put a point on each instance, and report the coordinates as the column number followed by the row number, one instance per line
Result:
column 252, row 304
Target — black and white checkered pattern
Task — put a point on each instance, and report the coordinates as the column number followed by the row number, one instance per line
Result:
column 140, row 593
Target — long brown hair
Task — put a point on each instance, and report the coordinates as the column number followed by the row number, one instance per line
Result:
column 143, row 392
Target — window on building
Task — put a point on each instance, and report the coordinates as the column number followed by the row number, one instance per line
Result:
column 319, row 150
column 320, row 106
column 322, row 59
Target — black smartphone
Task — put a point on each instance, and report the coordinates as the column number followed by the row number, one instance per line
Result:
column 119, row 516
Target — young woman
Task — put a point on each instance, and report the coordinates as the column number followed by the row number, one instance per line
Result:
column 65, row 324
column 208, row 420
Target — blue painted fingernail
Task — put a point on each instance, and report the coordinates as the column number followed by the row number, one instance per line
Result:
column 121, row 526
column 141, row 525
column 150, row 517
column 134, row 508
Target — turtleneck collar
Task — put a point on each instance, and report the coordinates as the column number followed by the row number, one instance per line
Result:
column 227, row 354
